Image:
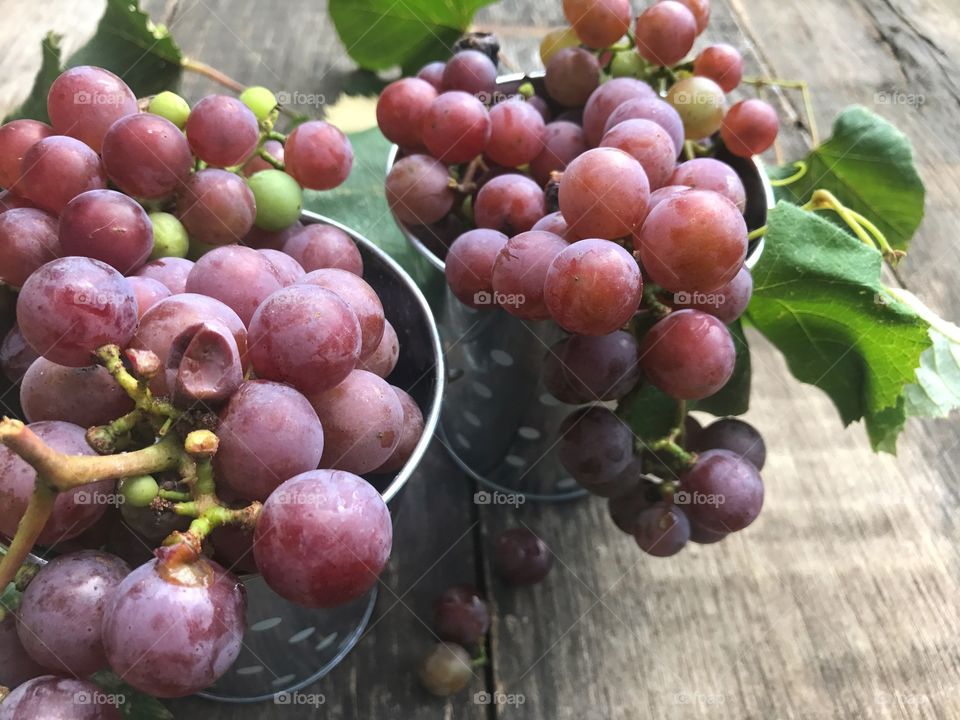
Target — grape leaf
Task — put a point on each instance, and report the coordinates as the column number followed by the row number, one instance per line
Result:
column 650, row 413
column 868, row 164
column 131, row 703
column 35, row 106
column 381, row 34
column 818, row 297
column 734, row 397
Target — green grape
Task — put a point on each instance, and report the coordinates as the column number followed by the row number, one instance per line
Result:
column 627, row 63
column 279, row 199
column 139, row 491
column 260, row 101
column 701, row 104
column 171, row 106
column 169, row 236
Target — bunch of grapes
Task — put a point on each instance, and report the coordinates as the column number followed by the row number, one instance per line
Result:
column 227, row 404
column 595, row 199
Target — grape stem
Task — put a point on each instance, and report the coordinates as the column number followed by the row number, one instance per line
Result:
column 39, row 509
column 783, row 182
column 804, row 89
column 652, row 302
column 278, row 164
column 209, row 515
column 137, row 389
column 278, row 136
column 467, row 184
column 866, row 231
column 669, row 445
column 114, row 436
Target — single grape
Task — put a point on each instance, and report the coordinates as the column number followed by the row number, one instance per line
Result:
column 625, row 509
column 383, row 360
column 203, row 366
column 724, row 491
column 585, row 369
column 572, row 74
column 410, row 434
column 150, row 527
column 16, row 667
column 170, row 237
column 54, row 698
column 705, row 536
column 256, row 163
column 691, row 430
column 734, row 435
column 362, row 420
column 222, row 131
column 541, row 106
column 16, row 356
column 400, row 111
column 234, row 548
column 654, row 109
column 605, row 99
column 138, row 491
column 665, row 33
column 147, row 156
column 287, row 270
column 28, row 239
column 433, row 74
column 595, row 445
column 278, row 199
column 554, row 223
column 70, row 307
column 749, row 127
column 84, row 101
column 604, row 194
column 57, row 169
column 649, row 144
column 469, row 265
column 323, row 538
column 598, row 23
column 318, row 155
column 446, row 669
column 239, row 277
column 664, row 193
column 470, row 71
column 16, row 137
column 726, row 303
column 701, row 104
column 700, row 10
column 359, row 296
column 260, row 100
column 662, row 529
column 170, row 106
column 460, row 615
column 520, row 557
column 84, row 396
column 171, row 271
column 689, row 355
column 721, row 63
column 269, row 239
column 323, row 246
column 418, row 190
column 695, row 241
column 195, row 614
column 216, row 207
column 456, row 127
column 556, row 40
column 510, row 203
column 562, row 142
column 710, row 174
column 626, row 63
column 108, row 226
column 306, row 336
column 516, row 133
column 520, row 270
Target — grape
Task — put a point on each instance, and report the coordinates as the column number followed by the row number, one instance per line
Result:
column 269, row 239
column 721, row 63
column 724, row 490
column 410, row 433
column 138, row 491
column 469, row 265
column 701, row 105
column 170, row 237
column 705, row 536
column 446, row 669
column 195, row 615
column 28, row 239
column 521, row 558
column 222, row 131
column 84, row 396
column 323, row 246
column 278, row 199
column 318, row 155
column 689, row 355
column 260, row 100
column 710, row 174
column 562, row 142
column 400, row 111
column 287, row 270
column 323, row 538
column 456, row 127
column 433, row 74
column 749, row 127
column 383, row 360
column 359, row 296
column 16, row 667
column 700, row 10
column 554, row 223
column 625, row 509
column 691, row 430
column 541, row 106
column 592, row 287
column 726, row 303
column 600, row 368
column 460, row 615
column 595, row 445
column 734, row 435
column 11, row 201
column 605, row 99
column 234, row 548
column 665, row 33
column 216, row 207
column 470, row 71
column 664, row 193
column 598, row 23
column 572, row 74
column 305, row 336
column 695, row 241
column 57, row 169
column 203, row 366
column 53, row 698
column 162, row 323
column 74, row 510
column 268, row 433
column 70, row 307
column 16, row 356
column 362, row 420
column 556, row 40
column 509, row 203
column 649, row 144
column 108, row 226
column 62, row 609
column 171, row 271
column 662, row 529
column 520, row 270
column 516, row 133
column 170, row 106
column 418, row 190
column 84, row 101
column 151, row 526
column 654, row 109
column 239, row 277
column 604, row 194
column 16, row 137
column 147, row 156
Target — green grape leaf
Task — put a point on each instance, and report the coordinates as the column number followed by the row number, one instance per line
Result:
column 382, row 34
column 131, row 703
column 734, row 397
column 650, row 413
column 818, row 297
column 126, row 42
column 868, row 164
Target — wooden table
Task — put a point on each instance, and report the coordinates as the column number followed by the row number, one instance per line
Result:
column 840, row 602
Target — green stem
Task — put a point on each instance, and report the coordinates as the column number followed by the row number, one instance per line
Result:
column 759, row 232
column 174, row 496
column 669, row 445
column 278, row 136
column 114, row 436
column 801, row 171
column 278, row 164
column 39, row 509
column 688, row 150
column 651, row 301
column 109, row 357
column 681, row 427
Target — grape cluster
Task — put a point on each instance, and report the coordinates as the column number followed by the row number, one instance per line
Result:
column 261, row 363
column 598, row 199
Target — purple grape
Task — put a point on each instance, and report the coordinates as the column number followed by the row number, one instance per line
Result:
column 57, row 169
column 216, row 207
column 85, row 101
column 509, row 203
column 383, row 360
column 572, row 75
column 107, row 226
column 734, row 435
column 418, row 190
column 324, row 246
column 710, row 174
column 650, row 108
column 203, row 366
column 705, row 536
column 723, row 491
column 595, row 445
column 582, row 369
column 662, row 530
column 469, row 265
column 147, row 156
column 433, row 74
column 359, row 296
column 460, row 615
column 410, row 434
column 28, row 239
column 520, row 270
column 521, row 558
column 148, row 292
column 625, row 509
column 318, row 155
column 16, row 137
column 16, row 356
column 287, row 270
column 562, row 142
column 222, row 131
column 16, row 667
column 171, row 271
column 84, row 396
column 239, row 277
column 470, row 71
column 53, row 698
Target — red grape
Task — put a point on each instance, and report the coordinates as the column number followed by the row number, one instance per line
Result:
column 470, row 71
column 700, row 10
column 16, row 356
column 216, row 207
column 148, row 292
column 203, row 366
column 598, row 23
column 662, row 529
column 16, row 137
column 749, row 127
column 54, row 698
column 572, row 74
column 318, row 155
column 583, row 368
column 726, row 303
column 554, row 223
column 521, row 558
column 84, row 396
column 433, row 74
column 456, row 127
column 649, row 144
column 287, row 270
column 665, row 32
column 85, row 101
column 383, row 360
column 562, row 142
column 734, row 435
column 655, row 109
column 359, row 296
column 724, row 492
column 171, row 271
column 107, row 226
column 595, row 445
column 239, row 277
column 147, row 156
column 711, row 174
column 57, row 169
column 16, row 667
column 721, row 63
column 520, row 270
column 469, row 265
column 324, row 246
column 418, row 190
column 222, row 131
column 400, row 111
column 410, row 434
column 509, row 203
column 516, row 133
column 28, row 239
column 460, row 615
column 256, row 163
column 604, row 194
column 605, row 99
